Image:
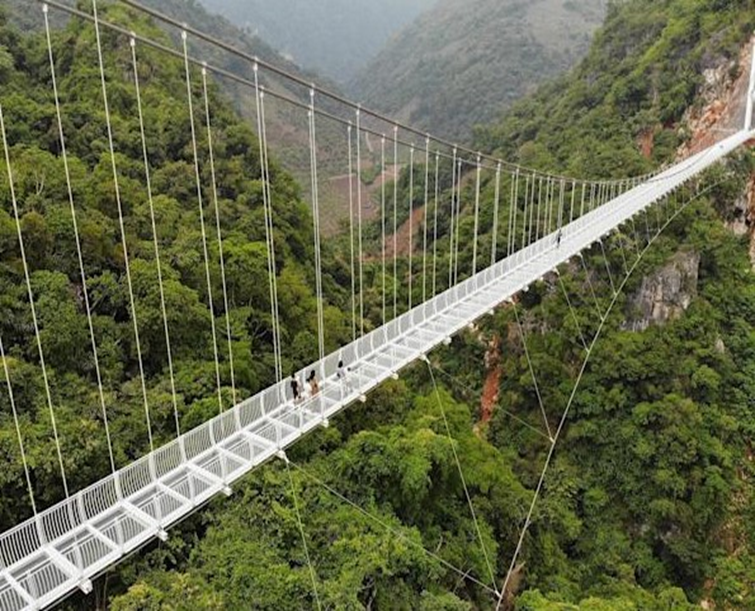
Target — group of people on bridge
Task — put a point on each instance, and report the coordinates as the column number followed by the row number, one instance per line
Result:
column 304, row 391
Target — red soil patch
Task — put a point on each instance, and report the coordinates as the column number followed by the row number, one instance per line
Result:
column 492, row 380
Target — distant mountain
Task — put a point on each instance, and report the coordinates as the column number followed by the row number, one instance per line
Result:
column 465, row 61
column 334, row 37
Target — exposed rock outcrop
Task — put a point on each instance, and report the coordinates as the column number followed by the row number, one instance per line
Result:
column 665, row 294
column 723, row 101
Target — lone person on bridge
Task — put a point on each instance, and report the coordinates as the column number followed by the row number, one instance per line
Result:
column 558, row 238
column 341, row 376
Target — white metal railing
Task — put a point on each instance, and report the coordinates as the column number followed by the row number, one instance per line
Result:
column 44, row 559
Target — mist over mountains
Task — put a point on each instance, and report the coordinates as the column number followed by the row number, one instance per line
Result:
column 334, row 37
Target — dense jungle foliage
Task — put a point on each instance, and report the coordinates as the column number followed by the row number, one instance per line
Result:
column 46, row 224
column 648, row 504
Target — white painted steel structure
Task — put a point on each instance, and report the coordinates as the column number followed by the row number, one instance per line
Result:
column 44, row 559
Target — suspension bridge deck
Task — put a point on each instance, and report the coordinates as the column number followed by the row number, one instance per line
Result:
column 43, row 560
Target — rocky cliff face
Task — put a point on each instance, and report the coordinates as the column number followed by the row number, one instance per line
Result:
column 721, row 113
column 665, row 294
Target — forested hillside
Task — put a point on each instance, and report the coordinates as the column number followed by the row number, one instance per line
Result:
column 334, row 37
column 465, row 61
column 46, row 223
column 648, row 504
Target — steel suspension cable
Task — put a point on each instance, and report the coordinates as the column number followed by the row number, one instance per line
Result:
column 316, row 225
column 573, row 201
column 17, row 424
column 411, row 221
column 216, row 205
column 271, row 264
column 32, row 307
column 452, row 443
column 514, row 210
column 150, row 200
column 565, row 414
column 525, row 213
column 496, row 205
column 458, row 224
column 360, row 250
column 77, row 238
column 200, row 201
column 499, row 408
column 533, row 210
column 114, row 167
column 383, row 220
column 435, row 222
column 464, row 574
column 532, row 370
column 571, row 309
column 424, row 224
column 349, row 132
column 590, row 284
column 451, row 233
column 297, row 79
column 476, row 214
column 300, row 524
column 396, row 173
column 608, row 269
column 267, row 185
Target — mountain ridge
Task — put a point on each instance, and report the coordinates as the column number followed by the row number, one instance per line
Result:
column 462, row 63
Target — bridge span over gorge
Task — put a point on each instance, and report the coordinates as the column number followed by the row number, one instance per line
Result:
column 536, row 222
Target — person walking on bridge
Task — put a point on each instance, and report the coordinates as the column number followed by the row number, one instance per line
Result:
column 295, row 388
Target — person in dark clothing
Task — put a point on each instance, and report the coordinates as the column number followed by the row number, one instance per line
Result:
column 295, row 388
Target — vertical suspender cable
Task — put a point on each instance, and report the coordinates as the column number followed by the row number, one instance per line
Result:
column 198, row 179
column 476, row 214
column 515, row 208
column 221, row 258
column 525, row 236
column 111, row 147
column 424, row 224
column 271, row 266
column 496, row 205
column 148, row 179
column 360, row 252
column 411, row 220
column 539, row 223
column 395, row 220
column 316, row 224
column 267, row 185
column 435, row 222
column 77, row 238
column 48, row 394
column 451, row 233
column 382, row 215
column 458, row 225
column 18, row 428
column 582, row 203
column 573, row 200
column 532, row 209
column 351, row 237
